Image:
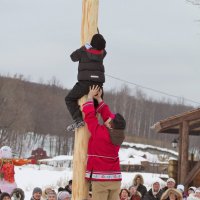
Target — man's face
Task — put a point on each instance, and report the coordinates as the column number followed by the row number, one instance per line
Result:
column 37, row 195
column 156, row 187
column 170, row 184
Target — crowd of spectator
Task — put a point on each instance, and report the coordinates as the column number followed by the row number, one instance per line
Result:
column 137, row 191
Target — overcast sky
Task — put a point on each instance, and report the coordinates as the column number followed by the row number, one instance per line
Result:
column 153, row 43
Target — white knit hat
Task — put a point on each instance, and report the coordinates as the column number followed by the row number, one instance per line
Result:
column 63, row 194
column 180, row 187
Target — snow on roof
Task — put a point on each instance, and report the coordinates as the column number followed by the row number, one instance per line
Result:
column 135, row 160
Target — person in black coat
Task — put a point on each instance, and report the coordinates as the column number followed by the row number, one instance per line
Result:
column 90, row 72
column 138, row 181
column 68, row 188
column 155, row 192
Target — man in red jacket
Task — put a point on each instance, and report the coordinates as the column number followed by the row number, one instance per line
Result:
column 103, row 167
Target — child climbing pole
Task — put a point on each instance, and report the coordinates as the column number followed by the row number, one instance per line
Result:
column 90, row 72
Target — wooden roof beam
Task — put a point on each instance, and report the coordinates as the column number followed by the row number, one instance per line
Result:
column 192, row 174
column 176, row 120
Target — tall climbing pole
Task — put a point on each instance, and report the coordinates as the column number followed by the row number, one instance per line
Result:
column 79, row 184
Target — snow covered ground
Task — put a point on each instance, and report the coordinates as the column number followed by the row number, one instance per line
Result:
column 30, row 176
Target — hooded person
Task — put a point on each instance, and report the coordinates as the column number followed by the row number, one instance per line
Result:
column 103, row 168
column 172, row 194
column 170, row 183
column 155, row 192
column 191, row 190
column 17, row 194
column 181, row 188
column 138, row 181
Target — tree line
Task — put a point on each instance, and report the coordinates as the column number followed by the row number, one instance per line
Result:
column 35, row 114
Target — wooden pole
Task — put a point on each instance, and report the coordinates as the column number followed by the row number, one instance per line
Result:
column 79, row 184
column 184, row 153
column 179, row 153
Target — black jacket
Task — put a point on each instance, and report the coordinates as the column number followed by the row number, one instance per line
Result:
column 91, row 66
column 149, row 195
column 142, row 189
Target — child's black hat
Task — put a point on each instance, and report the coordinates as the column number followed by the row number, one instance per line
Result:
column 98, row 42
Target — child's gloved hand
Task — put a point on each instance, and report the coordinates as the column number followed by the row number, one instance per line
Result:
column 93, row 91
column 88, row 46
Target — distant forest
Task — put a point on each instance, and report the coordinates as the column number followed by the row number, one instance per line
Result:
column 33, row 114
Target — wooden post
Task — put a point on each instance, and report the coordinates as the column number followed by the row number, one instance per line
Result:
column 79, row 184
column 184, row 153
column 179, row 153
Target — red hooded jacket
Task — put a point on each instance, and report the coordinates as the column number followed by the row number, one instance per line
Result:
column 103, row 159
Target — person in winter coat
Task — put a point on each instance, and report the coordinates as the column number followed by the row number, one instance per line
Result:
column 124, row 194
column 90, row 72
column 181, row 188
column 103, row 168
column 191, row 190
column 5, row 196
column 63, row 195
column 37, row 194
column 155, row 192
column 17, row 194
column 68, row 188
column 134, row 194
column 171, row 183
column 171, row 194
column 51, row 195
column 138, row 181
column 195, row 196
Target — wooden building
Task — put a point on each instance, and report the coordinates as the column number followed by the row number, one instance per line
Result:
column 184, row 125
column 38, row 154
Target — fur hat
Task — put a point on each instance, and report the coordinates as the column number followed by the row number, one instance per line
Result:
column 171, row 180
column 18, row 194
column 63, row 194
column 119, row 122
column 4, row 194
column 98, row 42
column 166, row 194
column 37, row 189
